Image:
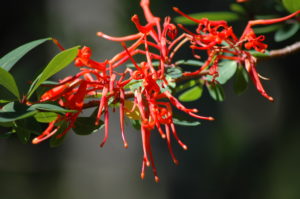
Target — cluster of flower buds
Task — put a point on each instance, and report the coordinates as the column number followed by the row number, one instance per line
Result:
column 157, row 42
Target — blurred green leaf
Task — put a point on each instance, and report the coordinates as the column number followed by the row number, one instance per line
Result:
column 226, row 71
column 267, row 29
column 25, row 127
column 291, row 5
column 187, row 85
column 286, row 32
column 192, row 94
column 50, row 108
column 136, row 124
column 11, row 58
column 59, row 62
column 154, row 64
column 238, row 8
column 15, row 111
column 58, row 138
column 185, row 122
column 259, row 54
column 86, row 126
column 174, row 72
column 190, row 62
column 216, row 91
column 241, row 80
column 227, row 16
column 8, row 81
column 5, row 134
column 45, row 117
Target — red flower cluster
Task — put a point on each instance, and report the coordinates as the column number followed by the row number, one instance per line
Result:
column 220, row 42
column 151, row 98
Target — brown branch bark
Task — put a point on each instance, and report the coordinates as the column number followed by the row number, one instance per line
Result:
column 291, row 49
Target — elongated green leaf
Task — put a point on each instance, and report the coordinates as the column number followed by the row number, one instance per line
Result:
column 15, row 111
column 59, row 62
column 45, row 117
column 227, row 16
column 50, row 108
column 267, row 29
column 86, row 126
column 286, row 32
column 58, row 138
column 259, row 54
column 240, row 83
column 5, row 134
column 136, row 124
column 9, row 60
column 226, row 71
column 174, row 72
column 25, row 127
column 235, row 7
column 187, row 85
column 189, row 62
column 185, row 122
column 191, row 94
column 8, row 81
column 291, row 5
column 216, row 91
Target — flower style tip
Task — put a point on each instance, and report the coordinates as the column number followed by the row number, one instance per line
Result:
column 156, row 178
column 142, row 175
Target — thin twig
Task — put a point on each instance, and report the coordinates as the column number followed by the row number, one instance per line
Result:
column 291, row 49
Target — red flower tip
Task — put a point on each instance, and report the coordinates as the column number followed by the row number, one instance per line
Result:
column 35, row 141
column 125, row 145
column 148, row 163
column 142, row 175
column 184, row 147
column 156, row 179
column 175, row 9
column 211, row 118
column 176, row 161
column 271, row 99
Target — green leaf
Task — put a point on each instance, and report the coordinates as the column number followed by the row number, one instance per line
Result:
column 259, row 54
column 5, row 134
column 235, row 7
column 8, row 81
column 15, row 111
column 226, row 71
column 45, row 117
column 59, row 62
column 291, row 5
column 25, row 127
column 216, row 91
column 7, row 124
column 174, row 72
column 240, row 83
column 58, row 138
column 133, row 114
column 227, row 16
column 86, row 125
column 154, row 64
column 185, row 122
column 267, row 29
column 190, row 62
column 10, row 59
column 136, row 124
column 187, row 85
column 191, row 94
column 50, row 108
column 286, row 32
